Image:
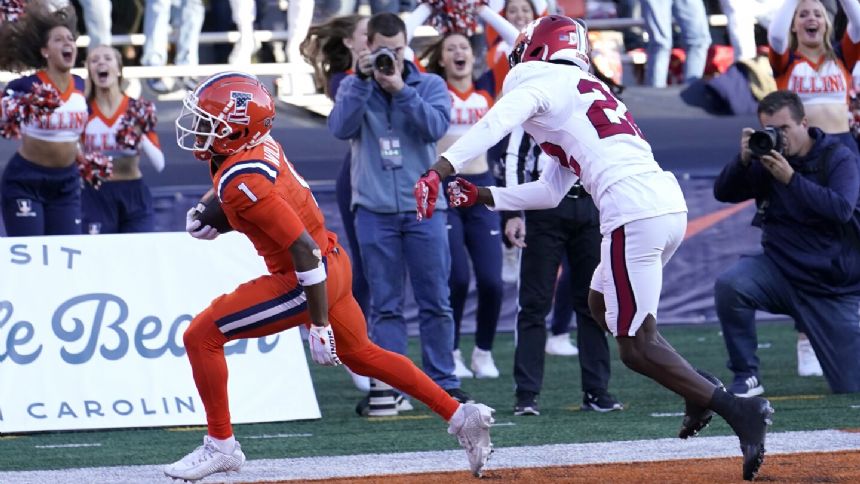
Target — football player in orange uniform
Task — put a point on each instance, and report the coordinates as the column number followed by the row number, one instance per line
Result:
column 226, row 121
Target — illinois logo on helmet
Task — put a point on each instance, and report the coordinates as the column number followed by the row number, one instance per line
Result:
column 554, row 38
column 226, row 113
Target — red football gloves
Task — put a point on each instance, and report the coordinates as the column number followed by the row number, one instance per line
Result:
column 462, row 193
column 426, row 192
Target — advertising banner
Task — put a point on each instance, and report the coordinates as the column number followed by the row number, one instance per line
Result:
column 91, row 334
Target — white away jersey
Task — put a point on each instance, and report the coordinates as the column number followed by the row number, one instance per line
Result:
column 579, row 123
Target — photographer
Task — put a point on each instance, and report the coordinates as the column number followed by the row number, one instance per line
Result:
column 393, row 115
column 806, row 185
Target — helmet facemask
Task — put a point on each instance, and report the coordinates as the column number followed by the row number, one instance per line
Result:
column 197, row 130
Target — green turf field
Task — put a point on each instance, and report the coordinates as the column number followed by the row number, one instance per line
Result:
column 800, row 403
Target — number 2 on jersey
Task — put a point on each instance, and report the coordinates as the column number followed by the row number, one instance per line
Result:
column 603, row 113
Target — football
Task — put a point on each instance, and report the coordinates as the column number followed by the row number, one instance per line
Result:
column 209, row 213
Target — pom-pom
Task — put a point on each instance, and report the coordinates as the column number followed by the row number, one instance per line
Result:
column 95, row 167
column 11, row 10
column 140, row 118
column 22, row 108
column 450, row 16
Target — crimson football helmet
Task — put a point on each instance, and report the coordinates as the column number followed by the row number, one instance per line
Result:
column 553, row 38
column 226, row 113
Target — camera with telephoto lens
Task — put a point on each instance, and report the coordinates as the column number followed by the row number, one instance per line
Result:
column 763, row 141
column 382, row 60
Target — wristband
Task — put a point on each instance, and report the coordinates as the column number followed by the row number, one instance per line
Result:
column 311, row 277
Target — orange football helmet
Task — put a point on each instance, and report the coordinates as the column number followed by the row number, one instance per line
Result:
column 226, row 113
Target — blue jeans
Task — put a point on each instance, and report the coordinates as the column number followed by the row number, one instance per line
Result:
column 156, row 20
column 831, row 322
column 392, row 245
column 695, row 32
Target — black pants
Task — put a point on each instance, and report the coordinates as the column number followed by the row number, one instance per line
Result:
column 572, row 227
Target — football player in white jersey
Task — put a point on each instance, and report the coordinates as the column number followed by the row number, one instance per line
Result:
column 590, row 134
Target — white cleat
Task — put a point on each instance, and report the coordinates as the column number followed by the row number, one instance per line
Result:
column 460, row 370
column 483, row 364
column 471, row 424
column 205, row 461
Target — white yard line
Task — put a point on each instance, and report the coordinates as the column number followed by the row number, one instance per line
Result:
column 66, row 446
column 453, row 460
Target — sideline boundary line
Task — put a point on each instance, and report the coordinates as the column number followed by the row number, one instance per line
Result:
column 267, row 470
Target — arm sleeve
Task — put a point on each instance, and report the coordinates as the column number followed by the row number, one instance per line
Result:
column 780, row 26
column 506, row 30
column 150, row 147
column 736, row 182
column 430, row 114
column 416, row 19
column 260, row 205
column 512, row 110
column 546, row 192
column 344, row 120
column 837, row 200
column 852, row 11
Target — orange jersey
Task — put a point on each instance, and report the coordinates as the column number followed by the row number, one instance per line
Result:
column 264, row 198
column 824, row 82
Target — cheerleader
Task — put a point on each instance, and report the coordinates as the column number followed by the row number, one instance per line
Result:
column 41, row 185
column 121, row 128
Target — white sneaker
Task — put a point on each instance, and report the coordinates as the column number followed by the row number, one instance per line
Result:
column 483, row 364
column 205, row 461
column 360, row 381
column 560, row 345
column 471, row 424
column 403, row 403
column 460, row 370
column 807, row 362
column 510, row 264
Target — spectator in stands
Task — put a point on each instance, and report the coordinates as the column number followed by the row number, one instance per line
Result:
column 332, row 49
column 807, row 194
column 97, row 19
column 571, row 230
column 41, row 185
column 693, row 21
column 741, row 17
column 122, row 128
column 804, row 61
column 243, row 16
column 393, row 116
column 156, row 23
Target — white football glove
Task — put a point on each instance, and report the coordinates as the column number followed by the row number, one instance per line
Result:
column 193, row 227
column 321, row 342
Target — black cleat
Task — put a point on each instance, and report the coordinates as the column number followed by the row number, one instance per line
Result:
column 526, row 404
column 749, row 421
column 697, row 418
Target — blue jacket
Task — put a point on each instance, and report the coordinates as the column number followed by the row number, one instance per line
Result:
column 418, row 115
column 806, row 227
